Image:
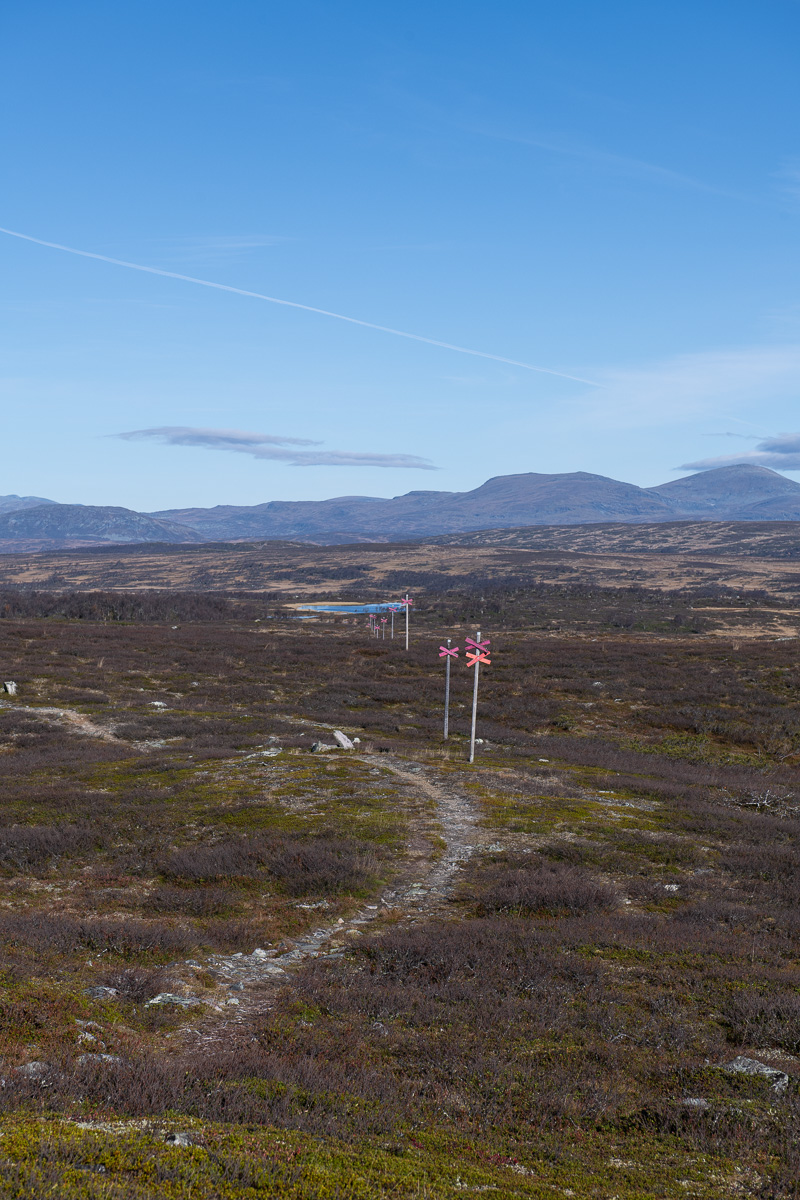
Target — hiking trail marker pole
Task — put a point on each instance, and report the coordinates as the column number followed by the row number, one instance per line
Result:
column 383, row 628
column 477, row 652
column 407, row 602
column 393, row 610
column 448, row 655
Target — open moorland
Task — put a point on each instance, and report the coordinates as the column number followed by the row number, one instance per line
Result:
column 234, row 965
column 681, row 557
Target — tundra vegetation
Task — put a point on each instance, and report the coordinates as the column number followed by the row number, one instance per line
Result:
column 557, row 1019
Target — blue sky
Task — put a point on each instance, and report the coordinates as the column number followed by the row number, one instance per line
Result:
column 607, row 190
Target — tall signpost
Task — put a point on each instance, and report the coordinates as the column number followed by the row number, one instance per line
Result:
column 448, row 655
column 477, row 652
column 407, row 602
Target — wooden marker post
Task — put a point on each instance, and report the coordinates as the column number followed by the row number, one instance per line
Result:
column 447, row 654
column 477, row 652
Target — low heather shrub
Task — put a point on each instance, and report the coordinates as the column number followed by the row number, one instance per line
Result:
column 536, row 885
column 137, row 984
column 44, row 932
column 26, row 847
column 192, row 902
column 301, row 866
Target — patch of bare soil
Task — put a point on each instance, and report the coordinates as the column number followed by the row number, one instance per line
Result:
column 78, row 722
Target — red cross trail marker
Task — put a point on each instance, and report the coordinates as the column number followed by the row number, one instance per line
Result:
column 447, row 654
column 477, row 652
column 472, row 659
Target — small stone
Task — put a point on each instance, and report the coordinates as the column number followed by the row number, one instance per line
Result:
column 237, row 987
column 695, row 1102
column 99, row 1058
column 670, row 887
column 101, row 993
column 259, row 953
column 179, row 1139
column 356, row 741
column 544, row 760
column 171, row 998
column 34, row 1070
column 740, row 1065
column 10, row 687
column 342, row 740
column 321, row 747
column 157, row 704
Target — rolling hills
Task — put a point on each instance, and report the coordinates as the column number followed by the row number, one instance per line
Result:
column 741, row 493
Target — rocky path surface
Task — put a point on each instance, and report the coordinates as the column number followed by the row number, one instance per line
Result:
column 421, row 889
column 77, row 721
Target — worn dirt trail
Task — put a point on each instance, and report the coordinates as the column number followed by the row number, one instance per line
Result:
column 421, row 889
column 77, row 721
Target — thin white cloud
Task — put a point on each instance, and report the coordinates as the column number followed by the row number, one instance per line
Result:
column 620, row 164
column 273, row 448
column 781, row 453
column 215, row 249
column 690, row 386
column 324, row 312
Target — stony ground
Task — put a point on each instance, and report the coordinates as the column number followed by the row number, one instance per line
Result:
column 570, row 969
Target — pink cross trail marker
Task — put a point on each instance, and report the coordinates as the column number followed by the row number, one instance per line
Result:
column 481, row 647
column 477, row 652
column 447, row 654
column 407, row 602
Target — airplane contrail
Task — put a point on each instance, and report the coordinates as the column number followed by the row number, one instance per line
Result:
column 324, row 312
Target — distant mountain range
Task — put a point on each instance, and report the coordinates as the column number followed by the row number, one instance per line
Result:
column 15, row 503
column 51, row 526
column 736, row 493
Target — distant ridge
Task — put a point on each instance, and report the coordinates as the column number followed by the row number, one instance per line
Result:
column 741, row 493
column 55, row 526
column 530, row 500
column 15, row 503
